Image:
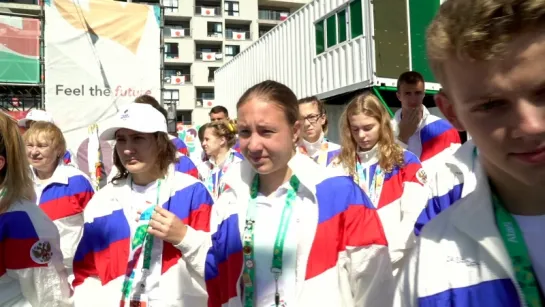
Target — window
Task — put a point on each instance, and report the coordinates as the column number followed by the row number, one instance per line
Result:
column 320, row 46
column 170, row 6
column 171, row 96
column 331, row 23
column 232, row 50
column 171, row 50
column 341, row 25
column 215, row 29
column 184, row 117
column 356, row 19
column 231, row 8
column 211, row 71
column 205, row 94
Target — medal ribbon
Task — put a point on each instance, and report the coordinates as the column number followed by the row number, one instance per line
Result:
column 141, row 238
column 377, row 182
column 518, row 252
column 248, row 275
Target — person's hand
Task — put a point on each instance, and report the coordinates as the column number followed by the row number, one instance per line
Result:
column 166, row 226
column 408, row 124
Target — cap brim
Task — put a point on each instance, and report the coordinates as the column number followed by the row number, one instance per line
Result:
column 109, row 134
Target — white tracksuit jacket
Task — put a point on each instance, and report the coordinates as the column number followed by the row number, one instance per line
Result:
column 460, row 259
column 346, row 264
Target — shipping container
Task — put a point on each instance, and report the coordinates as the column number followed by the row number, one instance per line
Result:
column 334, row 48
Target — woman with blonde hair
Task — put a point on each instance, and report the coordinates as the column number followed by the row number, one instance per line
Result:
column 31, row 270
column 218, row 140
column 62, row 191
column 392, row 177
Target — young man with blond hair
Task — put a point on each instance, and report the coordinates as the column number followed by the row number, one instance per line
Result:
column 487, row 248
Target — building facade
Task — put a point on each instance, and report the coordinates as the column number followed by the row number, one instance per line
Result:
column 200, row 36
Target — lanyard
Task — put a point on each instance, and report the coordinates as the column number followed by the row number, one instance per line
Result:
column 141, row 236
column 214, row 186
column 518, row 252
column 248, row 276
column 377, row 182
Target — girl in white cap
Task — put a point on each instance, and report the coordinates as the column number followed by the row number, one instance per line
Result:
column 124, row 262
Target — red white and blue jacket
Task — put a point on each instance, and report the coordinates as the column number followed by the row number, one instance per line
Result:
column 212, row 174
column 102, row 256
column 460, row 259
column 63, row 199
column 348, row 262
column 434, row 140
column 31, row 268
column 181, row 147
column 453, row 180
column 404, row 194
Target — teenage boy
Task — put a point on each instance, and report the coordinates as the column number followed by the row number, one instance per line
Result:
column 429, row 137
column 488, row 248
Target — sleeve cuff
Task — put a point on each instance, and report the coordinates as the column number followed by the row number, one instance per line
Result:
column 191, row 240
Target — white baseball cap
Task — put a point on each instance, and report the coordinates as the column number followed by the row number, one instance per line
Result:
column 137, row 117
column 37, row 116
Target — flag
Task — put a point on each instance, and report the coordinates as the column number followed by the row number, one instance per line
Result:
column 208, row 11
column 177, row 80
column 208, row 103
column 208, row 56
column 177, row 32
column 284, row 16
column 239, row 35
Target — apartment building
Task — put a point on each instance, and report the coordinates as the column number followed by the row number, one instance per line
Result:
column 200, row 36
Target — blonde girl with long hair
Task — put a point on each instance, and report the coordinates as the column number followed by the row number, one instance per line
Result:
column 392, row 177
column 31, row 270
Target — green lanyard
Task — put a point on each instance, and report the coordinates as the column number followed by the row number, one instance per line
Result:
column 141, row 236
column 518, row 252
column 248, row 276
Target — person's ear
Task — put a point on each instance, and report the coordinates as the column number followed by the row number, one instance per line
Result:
column 447, row 108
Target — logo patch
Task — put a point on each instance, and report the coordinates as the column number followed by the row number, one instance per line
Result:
column 41, row 252
column 422, row 176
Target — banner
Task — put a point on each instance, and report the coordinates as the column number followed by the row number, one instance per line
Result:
column 19, row 50
column 189, row 134
column 99, row 55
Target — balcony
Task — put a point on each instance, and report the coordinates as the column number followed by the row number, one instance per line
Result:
column 240, row 35
column 274, row 15
column 177, row 79
column 264, row 29
column 209, row 56
column 208, row 11
column 176, row 32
